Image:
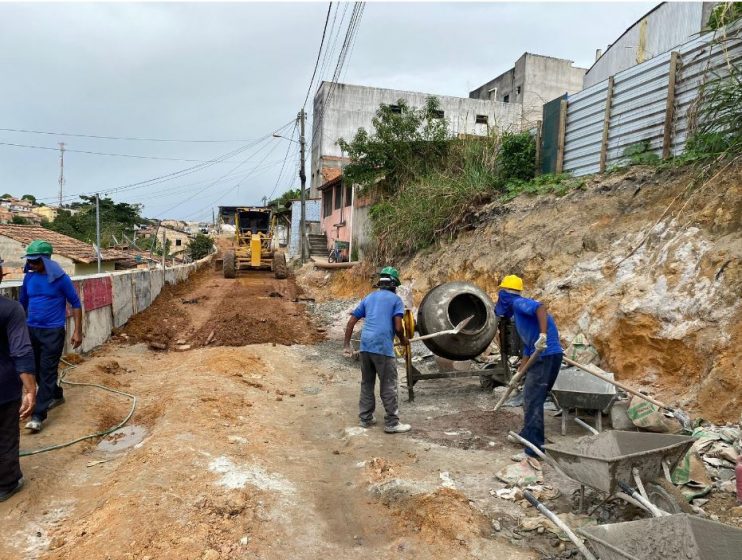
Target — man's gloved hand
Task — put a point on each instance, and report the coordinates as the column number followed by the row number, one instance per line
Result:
column 540, row 342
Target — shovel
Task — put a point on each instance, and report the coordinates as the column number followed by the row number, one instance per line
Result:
column 516, row 379
column 683, row 417
column 456, row 330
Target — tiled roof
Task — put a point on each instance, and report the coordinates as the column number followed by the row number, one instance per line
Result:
column 63, row 245
column 330, row 174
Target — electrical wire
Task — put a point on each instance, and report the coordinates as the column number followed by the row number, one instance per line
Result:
column 88, row 152
column 319, row 53
column 125, row 138
column 89, row 436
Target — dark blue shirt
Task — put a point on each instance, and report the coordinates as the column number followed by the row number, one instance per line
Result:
column 45, row 295
column 16, row 353
column 523, row 310
column 378, row 309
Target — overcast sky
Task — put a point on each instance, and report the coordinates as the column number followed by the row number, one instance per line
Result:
column 236, row 71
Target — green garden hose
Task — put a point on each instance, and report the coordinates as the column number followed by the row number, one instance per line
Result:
column 90, row 436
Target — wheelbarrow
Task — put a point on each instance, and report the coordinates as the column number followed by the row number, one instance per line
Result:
column 577, row 389
column 675, row 536
column 609, row 461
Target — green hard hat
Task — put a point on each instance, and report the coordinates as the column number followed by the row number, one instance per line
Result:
column 39, row 247
column 391, row 272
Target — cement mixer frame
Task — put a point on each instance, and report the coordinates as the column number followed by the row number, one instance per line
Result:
column 490, row 375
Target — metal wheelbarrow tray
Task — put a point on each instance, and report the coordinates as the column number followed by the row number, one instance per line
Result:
column 673, row 537
column 602, row 460
column 575, row 388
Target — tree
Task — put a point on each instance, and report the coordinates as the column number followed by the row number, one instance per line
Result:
column 406, row 143
column 200, row 246
column 116, row 218
column 31, row 198
column 291, row 194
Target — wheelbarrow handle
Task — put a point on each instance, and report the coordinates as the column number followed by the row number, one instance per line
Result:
column 589, row 369
column 551, row 516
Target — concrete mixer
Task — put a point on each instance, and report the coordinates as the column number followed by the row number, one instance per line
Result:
column 441, row 310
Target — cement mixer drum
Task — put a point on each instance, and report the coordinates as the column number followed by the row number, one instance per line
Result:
column 447, row 305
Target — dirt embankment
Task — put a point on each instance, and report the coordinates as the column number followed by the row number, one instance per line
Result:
column 646, row 263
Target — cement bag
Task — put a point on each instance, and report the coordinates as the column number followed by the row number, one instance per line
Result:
column 581, row 351
column 649, row 417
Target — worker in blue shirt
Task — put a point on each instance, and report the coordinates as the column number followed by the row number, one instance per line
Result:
column 538, row 331
column 17, row 390
column 45, row 293
column 382, row 312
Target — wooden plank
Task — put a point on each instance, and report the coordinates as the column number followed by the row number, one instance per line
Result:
column 606, row 125
column 670, row 107
column 539, row 140
column 560, row 137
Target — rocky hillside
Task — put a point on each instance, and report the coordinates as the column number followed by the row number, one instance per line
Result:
column 646, row 263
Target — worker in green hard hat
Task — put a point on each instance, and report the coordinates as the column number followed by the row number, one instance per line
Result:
column 382, row 312
column 45, row 293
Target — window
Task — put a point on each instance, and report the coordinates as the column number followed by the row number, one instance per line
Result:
column 348, row 195
column 326, row 202
column 517, row 90
column 396, row 109
column 481, row 119
column 178, row 242
column 438, row 114
column 338, row 196
column 506, row 99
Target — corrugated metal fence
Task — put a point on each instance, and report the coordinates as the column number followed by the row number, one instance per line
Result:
column 649, row 103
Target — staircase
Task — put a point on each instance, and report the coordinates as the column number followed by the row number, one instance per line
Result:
column 318, row 246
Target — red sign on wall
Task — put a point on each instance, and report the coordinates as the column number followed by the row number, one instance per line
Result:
column 97, row 293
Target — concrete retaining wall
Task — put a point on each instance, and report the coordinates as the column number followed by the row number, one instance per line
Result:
column 129, row 292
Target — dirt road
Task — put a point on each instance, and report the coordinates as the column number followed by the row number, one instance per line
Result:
column 243, row 447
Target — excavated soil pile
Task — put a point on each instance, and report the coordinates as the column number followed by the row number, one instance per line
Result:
column 471, row 429
column 256, row 310
column 166, row 320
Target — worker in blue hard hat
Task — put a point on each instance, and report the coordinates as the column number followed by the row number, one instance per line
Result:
column 538, row 331
column 45, row 293
column 382, row 312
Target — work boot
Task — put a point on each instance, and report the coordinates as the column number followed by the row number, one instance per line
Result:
column 7, row 494
column 34, row 425
column 397, row 428
column 368, row 423
column 56, row 402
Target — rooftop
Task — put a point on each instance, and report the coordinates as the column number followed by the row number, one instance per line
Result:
column 64, row 245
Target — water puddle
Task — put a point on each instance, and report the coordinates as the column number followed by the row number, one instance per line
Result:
column 122, row 439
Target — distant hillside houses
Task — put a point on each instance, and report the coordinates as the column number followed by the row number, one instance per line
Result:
column 23, row 211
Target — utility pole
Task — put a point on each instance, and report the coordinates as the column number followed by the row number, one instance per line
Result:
column 97, row 223
column 164, row 252
column 61, row 172
column 303, row 178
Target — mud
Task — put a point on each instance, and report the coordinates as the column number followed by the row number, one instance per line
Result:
column 472, row 429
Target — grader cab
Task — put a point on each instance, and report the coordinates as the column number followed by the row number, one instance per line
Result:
column 254, row 246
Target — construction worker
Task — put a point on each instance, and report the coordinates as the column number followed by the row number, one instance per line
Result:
column 17, row 390
column 382, row 312
column 538, row 331
column 45, row 293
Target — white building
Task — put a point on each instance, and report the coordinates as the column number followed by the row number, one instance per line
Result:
column 341, row 109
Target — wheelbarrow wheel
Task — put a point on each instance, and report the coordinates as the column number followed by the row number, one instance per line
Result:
column 666, row 496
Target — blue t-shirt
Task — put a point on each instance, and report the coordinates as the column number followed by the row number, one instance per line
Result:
column 526, row 322
column 378, row 309
column 45, row 299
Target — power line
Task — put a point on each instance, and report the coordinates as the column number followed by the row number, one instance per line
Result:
column 126, row 138
column 280, row 174
column 135, row 156
column 319, row 53
column 179, row 173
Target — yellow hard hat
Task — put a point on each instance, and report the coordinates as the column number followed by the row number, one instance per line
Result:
column 512, row 282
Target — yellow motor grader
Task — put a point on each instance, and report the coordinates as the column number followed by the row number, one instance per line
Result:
column 254, row 246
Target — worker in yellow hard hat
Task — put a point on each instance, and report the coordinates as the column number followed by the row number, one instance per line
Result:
column 538, row 331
